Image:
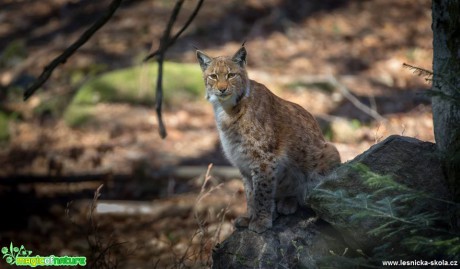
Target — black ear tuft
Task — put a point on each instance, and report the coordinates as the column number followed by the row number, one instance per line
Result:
column 240, row 56
column 203, row 59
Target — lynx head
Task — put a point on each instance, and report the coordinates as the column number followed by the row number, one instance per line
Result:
column 225, row 77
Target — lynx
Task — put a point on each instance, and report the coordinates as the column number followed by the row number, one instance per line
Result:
column 276, row 144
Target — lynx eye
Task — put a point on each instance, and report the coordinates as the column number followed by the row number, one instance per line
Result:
column 213, row 76
column 231, row 75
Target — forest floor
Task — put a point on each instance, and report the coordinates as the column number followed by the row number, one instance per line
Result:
column 155, row 208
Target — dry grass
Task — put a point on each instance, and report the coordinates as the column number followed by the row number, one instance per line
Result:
column 204, row 237
column 108, row 249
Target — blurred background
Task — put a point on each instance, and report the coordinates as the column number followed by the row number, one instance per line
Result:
column 94, row 120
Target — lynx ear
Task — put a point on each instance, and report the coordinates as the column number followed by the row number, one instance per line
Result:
column 203, row 59
column 240, row 56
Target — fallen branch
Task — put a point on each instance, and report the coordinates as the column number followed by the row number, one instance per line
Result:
column 331, row 80
column 184, row 173
column 355, row 101
column 48, row 70
column 15, row 180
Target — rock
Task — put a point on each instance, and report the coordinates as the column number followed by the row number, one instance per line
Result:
column 408, row 161
column 295, row 241
column 302, row 241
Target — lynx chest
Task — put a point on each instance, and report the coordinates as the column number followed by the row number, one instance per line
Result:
column 233, row 142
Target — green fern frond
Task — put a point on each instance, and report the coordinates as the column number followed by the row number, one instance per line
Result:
column 434, row 246
column 440, row 81
column 392, row 212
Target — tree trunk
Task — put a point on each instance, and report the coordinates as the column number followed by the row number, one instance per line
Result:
column 446, row 87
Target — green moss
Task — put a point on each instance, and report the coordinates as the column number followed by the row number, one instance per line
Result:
column 356, row 124
column 78, row 115
column 130, row 85
column 136, row 85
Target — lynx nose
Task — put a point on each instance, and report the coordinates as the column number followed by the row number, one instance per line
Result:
column 222, row 87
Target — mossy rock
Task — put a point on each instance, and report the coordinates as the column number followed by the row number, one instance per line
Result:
column 136, row 85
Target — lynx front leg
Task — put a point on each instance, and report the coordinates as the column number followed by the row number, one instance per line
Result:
column 264, row 186
column 248, row 189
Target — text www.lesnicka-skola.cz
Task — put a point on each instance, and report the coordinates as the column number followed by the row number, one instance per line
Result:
column 420, row 263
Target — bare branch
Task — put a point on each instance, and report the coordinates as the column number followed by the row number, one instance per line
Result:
column 159, row 97
column 161, row 55
column 187, row 23
column 48, row 70
column 167, row 41
column 355, row 101
column 176, row 36
column 331, row 80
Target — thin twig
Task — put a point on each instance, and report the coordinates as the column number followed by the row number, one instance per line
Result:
column 355, row 101
column 159, row 97
column 48, row 70
column 331, row 80
column 176, row 36
column 161, row 56
column 167, row 41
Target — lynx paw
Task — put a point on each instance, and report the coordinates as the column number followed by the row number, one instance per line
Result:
column 241, row 222
column 260, row 225
column 287, row 206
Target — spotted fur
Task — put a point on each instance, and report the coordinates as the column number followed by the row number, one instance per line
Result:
column 276, row 144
